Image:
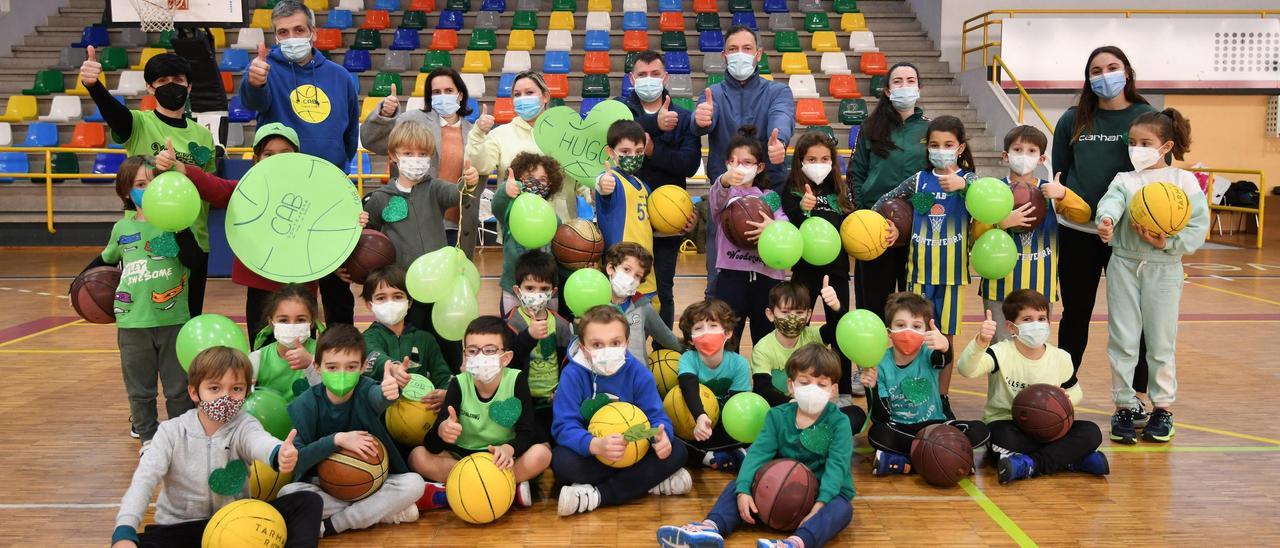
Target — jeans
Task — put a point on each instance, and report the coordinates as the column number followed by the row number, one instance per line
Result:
column 817, row 531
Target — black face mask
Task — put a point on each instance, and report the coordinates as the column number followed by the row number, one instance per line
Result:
column 172, row 96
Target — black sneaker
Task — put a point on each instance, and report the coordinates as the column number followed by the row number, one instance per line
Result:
column 1140, row 414
column 1122, row 429
column 1160, row 428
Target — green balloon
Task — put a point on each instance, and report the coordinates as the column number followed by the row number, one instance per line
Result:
column 743, row 416
column 780, row 245
column 270, row 408
column 994, row 254
column 821, row 241
column 862, row 337
column 469, row 272
column 578, row 143
column 532, row 221
column 452, row 313
column 431, row 276
column 207, row 331
column 171, row 202
column 988, row 200
column 585, row 288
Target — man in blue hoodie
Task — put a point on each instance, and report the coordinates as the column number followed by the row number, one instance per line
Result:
column 316, row 98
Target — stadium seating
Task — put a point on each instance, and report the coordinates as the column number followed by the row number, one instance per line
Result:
column 63, row 109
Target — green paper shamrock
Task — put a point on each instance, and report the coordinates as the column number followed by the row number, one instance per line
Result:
column 300, row 386
column 833, row 202
column 199, row 154
column 639, row 432
column 779, row 378
column 417, row 388
column 505, row 412
column 922, row 202
column 816, row 438
column 772, row 200
column 164, row 245
column 229, row 480
column 590, row 406
column 916, row 389
column 719, row 387
column 397, row 209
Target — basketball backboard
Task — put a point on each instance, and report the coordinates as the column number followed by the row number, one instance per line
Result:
column 188, row 13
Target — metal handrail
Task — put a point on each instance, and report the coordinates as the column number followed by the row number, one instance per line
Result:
column 1024, row 98
column 1214, row 208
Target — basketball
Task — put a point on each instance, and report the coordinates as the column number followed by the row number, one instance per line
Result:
column 736, row 215
column 1028, row 193
column 665, row 366
column 863, row 233
column 1044, row 412
column 351, row 478
column 264, row 482
column 577, row 244
column 669, row 209
column 616, row 418
column 245, row 522
column 784, row 491
column 900, row 213
column 1161, row 208
column 478, row 491
column 679, row 412
column 408, row 422
column 942, row 455
column 93, row 294
column 373, row 250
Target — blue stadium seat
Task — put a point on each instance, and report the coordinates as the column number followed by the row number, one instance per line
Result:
column 106, row 164
column 711, row 40
column 450, row 20
column 357, row 60
column 387, row 5
column 585, row 211
column 597, row 40
column 505, row 83
column 93, row 35
column 677, row 62
column 853, row 135
column 97, row 116
column 339, row 19
column 494, row 5
column 775, row 6
column 557, row 62
column 405, row 39
column 635, row 20
column 746, row 19
column 237, row 113
column 627, row 85
column 13, row 162
column 670, row 5
column 589, row 103
column 41, row 134
column 234, row 60
column 474, row 106
column 352, row 168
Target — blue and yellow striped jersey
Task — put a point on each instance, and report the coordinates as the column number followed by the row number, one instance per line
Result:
column 1037, row 266
column 939, row 238
column 624, row 217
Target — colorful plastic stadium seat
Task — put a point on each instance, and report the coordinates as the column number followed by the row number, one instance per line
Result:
column 570, row 6
column 15, row 162
column 862, row 41
column 853, row 111
column 328, row 39
column 671, row 21
column 96, row 36
column 504, row 109
column 605, row 6
column 520, row 40
column 64, row 109
column 677, row 62
column 851, row 22
column 165, row 39
column 845, row 6
column 524, row 20
column 763, row 65
column 795, row 63
column 557, row 84
column 147, row 103
column 386, row 5
column 444, row 40
column 20, row 108
column 877, row 85
column 382, row 83
column 237, row 112
column 498, row 6
column 420, row 85
column 596, row 62
column 405, row 39
column 80, row 90
column 420, row 5
column 63, row 163
column 46, row 82
column 219, row 36
column 825, row 41
column 786, row 41
column 505, row 83
column 596, row 40
column 874, row 63
column 234, row 60
column 318, row 5
column 704, row 6
column 148, row 53
column 713, row 64
column 483, row 40
column 673, row 41
column 376, row 20
column 450, row 20
column 843, row 86
column 560, row 20
column 809, row 6
column 113, row 58
column 416, row 20
column 781, row 22
column 435, row 59
column 477, row 62
column 556, row 62
column 629, row 61
column 746, row 19
column 474, row 83
column 680, row 85
column 740, row 6
column 641, row 6
column 339, row 19
column 360, row 161
column 130, row 84
column 457, row 5
column 96, row 116
column 559, row 40
column 599, row 20
column 357, row 60
column 706, row 21
column 810, row 112
column 627, row 86
column 106, row 164
column 803, row 86
column 776, row 6
column 589, row 103
column 714, row 78
column 595, row 85
column 367, row 39
column 88, row 135
column 834, row 63
column 70, row 58
column 516, row 61
column 816, row 21
column 632, row 40
column 41, row 134
column 369, row 104
column 131, row 38
column 635, row 20
column 711, row 41
column 670, row 5
column 686, row 103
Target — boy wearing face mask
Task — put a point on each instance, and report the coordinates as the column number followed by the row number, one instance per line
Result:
column 389, row 339
column 189, row 448
column 479, row 417
column 622, row 198
column 707, row 325
column 812, row 431
column 529, row 172
column 600, row 371
column 626, row 263
column 346, row 412
column 1012, row 365
column 1037, row 264
column 541, row 335
column 903, row 390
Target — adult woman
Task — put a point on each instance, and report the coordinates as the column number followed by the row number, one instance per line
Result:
column 1090, row 147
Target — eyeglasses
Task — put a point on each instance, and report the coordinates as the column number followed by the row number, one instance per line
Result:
column 488, row 350
column 743, row 163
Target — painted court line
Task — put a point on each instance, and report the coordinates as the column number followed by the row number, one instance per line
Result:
column 106, row 505
column 1236, row 293
column 34, row 328
column 1148, row 448
column 996, row 514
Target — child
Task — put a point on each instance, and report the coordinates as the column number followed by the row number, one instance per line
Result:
column 601, row 366
column 1144, row 276
column 744, row 280
column 938, row 263
column 287, row 365
column 906, row 395
column 622, row 198
column 812, row 374
column 1012, row 365
column 626, row 263
column 150, row 304
column 390, row 339
column 473, row 424
column 706, row 326
column 541, row 335
column 1037, row 266
column 346, row 412
column 188, row 448
column 535, row 173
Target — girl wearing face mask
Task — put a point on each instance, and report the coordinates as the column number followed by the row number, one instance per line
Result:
column 707, row 326
column 391, row 339
column 536, row 174
column 1144, row 274
column 287, row 363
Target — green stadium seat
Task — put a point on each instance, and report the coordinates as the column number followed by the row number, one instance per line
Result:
column 878, row 82
column 715, row 78
column 814, row 22
column 763, row 66
column 564, row 5
column 685, row 102
column 595, row 85
column 458, row 5
column 786, row 41
column 630, row 61
column 525, row 20
column 414, row 20
column 46, row 82
column 64, row 162
column 853, row 111
column 367, row 39
column 846, row 6
column 674, row 41
column 740, row 5
column 382, row 84
column 113, row 58
column 436, row 59
column 707, row 21
column 164, row 40
column 483, row 39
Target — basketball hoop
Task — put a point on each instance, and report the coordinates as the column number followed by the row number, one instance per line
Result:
column 154, row 15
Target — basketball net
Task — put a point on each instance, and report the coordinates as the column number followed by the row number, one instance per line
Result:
column 935, row 222
column 1026, row 239
column 154, row 15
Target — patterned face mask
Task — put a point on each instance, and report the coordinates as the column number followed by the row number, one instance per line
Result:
column 790, row 325
column 534, row 186
column 535, row 301
column 222, row 409
column 630, row 164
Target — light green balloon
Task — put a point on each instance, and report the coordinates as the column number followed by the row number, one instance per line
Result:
column 532, row 221
column 452, row 313
column 585, row 288
column 430, row 276
column 578, row 143
column 171, row 202
column 988, row 200
column 271, row 409
column 743, row 416
column 780, row 245
column 994, row 254
column 469, row 272
column 821, row 241
column 207, row 331
column 862, row 338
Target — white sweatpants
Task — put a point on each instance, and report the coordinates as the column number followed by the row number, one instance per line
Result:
column 396, row 494
column 1142, row 301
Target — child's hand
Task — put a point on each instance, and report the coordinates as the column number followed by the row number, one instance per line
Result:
column 91, row 69
column 777, row 148
column 343, row 275
column 512, row 187
column 538, row 328
column 702, row 430
column 401, row 372
column 868, row 377
column 168, row 160
column 890, row 233
column 434, row 399
column 450, row 429
column 935, row 340
column 1157, row 241
column 828, row 294
column 364, row 219
column 1054, row 190
column 747, row 507
column 754, row 234
column 1018, row 218
column 690, row 223
column 359, row 442
column 503, row 456
column 731, row 178
column 390, row 388
column 298, row 357
column 809, row 201
column 470, row 175
column 816, row 507
column 988, row 331
column 661, row 442
column 612, row 447
column 952, row 182
column 607, row 182
column 287, row 456
column 1106, row 228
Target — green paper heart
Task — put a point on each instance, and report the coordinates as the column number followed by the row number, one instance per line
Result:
column 719, row 387
column 199, row 154
column 779, row 378
column 505, row 412
column 922, row 202
column 917, row 390
column 397, row 209
column 639, row 432
column 417, row 388
column 833, row 202
column 590, row 406
column 300, row 386
column 772, row 200
column 229, row 481
column 164, row 245
column 816, row 438
column 577, row 143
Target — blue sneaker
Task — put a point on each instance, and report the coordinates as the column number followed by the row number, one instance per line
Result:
column 1015, row 466
column 693, row 535
column 1160, row 428
column 888, row 462
column 1122, row 427
column 776, row 543
column 1094, row 463
column 726, row 461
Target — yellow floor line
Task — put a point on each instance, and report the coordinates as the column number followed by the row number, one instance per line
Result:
column 1236, row 293
column 996, row 514
column 41, row 332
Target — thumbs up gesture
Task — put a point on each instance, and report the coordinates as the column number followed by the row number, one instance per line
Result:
column 287, row 456
column 988, row 331
column 667, row 119
column 935, row 340
column 777, row 149
column 1106, row 228
column 1054, row 190
column 828, row 294
column 259, row 68
column 470, row 175
column 705, row 112
column 168, row 159
column 809, row 201
column 512, row 187
column 90, row 69
column 390, row 387
column 538, row 328
column 607, row 182
column 485, row 122
column 390, row 104
column 450, row 429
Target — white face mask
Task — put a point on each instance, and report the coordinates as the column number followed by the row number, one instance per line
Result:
column 741, row 65
column 389, row 312
column 623, row 284
column 816, row 172
column 942, row 158
column 291, row 334
column 904, row 98
column 812, row 398
column 1033, row 334
column 748, row 173
column 1023, row 164
column 296, row 49
column 535, row 302
column 608, row 360
column 414, row 168
column 484, row 368
column 1143, row 157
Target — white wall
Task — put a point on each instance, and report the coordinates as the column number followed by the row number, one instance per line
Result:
column 21, row 18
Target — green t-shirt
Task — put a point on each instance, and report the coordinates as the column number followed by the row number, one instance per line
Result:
column 732, row 375
column 149, row 137
column 769, row 357
column 1089, row 162
column 420, row 346
column 911, row 391
column 544, row 361
column 479, row 431
column 153, row 286
column 274, row 372
column 824, row 447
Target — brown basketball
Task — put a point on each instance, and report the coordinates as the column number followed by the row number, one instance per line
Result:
column 1043, row 411
column 373, row 251
column 734, row 218
column 1027, row 193
column 900, row 213
column 93, row 294
column 784, row 491
column 350, row 477
column 942, row 455
column 577, row 244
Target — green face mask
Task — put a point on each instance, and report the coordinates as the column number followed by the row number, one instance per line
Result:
column 340, row 383
column 630, row 164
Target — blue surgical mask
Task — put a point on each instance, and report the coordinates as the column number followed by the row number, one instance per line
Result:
column 741, row 65
column 296, row 49
column 136, row 196
column 648, row 88
column 528, row 107
column 1108, row 85
column 942, row 158
column 445, row 104
column 904, row 98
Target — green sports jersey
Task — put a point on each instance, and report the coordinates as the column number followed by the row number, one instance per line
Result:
column 190, row 144
column 769, row 357
column 153, row 285
column 274, row 371
column 479, row 430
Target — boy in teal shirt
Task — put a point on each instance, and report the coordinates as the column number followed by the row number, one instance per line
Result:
column 707, row 325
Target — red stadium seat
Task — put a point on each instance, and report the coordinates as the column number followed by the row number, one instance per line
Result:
column 444, row 40
column 504, row 109
column 328, row 39
column 422, row 5
column 635, row 40
column 671, row 21
column 88, row 135
column 843, row 86
column 226, row 82
column 874, row 63
column 596, row 62
column 810, row 112
column 376, row 20
column 704, row 6
column 557, row 84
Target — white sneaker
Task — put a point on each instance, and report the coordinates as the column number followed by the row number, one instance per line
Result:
column 408, row 515
column 578, row 498
column 678, row 483
column 524, row 496
column 844, row 400
column 857, row 389
column 145, row 445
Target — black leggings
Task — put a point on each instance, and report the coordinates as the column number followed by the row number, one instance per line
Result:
column 666, row 252
column 1083, row 439
column 875, row 280
column 339, row 303
column 811, row 277
column 301, row 511
column 616, row 485
column 897, row 437
column 719, row 441
column 196, row 282
column 747, row 293
column 1082, row 258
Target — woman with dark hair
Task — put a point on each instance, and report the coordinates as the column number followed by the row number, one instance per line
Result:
column 890, row 148
column 1090, row 147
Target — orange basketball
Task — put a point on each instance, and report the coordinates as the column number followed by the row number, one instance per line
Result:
column 373, row 250
column 577, row 244
column 93, row 294
column 736, row 218
column 350, row 477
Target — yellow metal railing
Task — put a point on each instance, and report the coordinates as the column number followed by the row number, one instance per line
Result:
column 1024, row 98
column 1217, row 210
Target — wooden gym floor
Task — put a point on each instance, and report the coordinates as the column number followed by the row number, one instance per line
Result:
column 67, row 456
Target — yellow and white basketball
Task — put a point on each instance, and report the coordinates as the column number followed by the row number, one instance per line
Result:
column 478, row 491
column 408, row 422
column 669, row 209
column 245, row 522
column 616, row 418
column 665, row 366
column 681, row 419
column 264, row 482
column 863, row 233
column 1161, row 208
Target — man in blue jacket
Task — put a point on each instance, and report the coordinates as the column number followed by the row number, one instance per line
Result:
column 316, row 98
column 678, row 152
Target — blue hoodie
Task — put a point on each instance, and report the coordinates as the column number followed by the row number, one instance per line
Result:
column 759, row 102
column 329, row 124
column 633, row 383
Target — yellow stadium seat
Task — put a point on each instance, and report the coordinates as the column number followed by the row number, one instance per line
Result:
column 261, row 20
column 20, row 108
column 521, row 40
column 420, row 85
column 477, row 62
column 825, row 40
column 317, row 5
column 80, row 89
column 768, row 77
column 246, row 156
column 850, row 22
column 600, row 5
column 370, row 104
column 219, row 37
column 561, row 20
column 795, row 62
column 147, row 54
